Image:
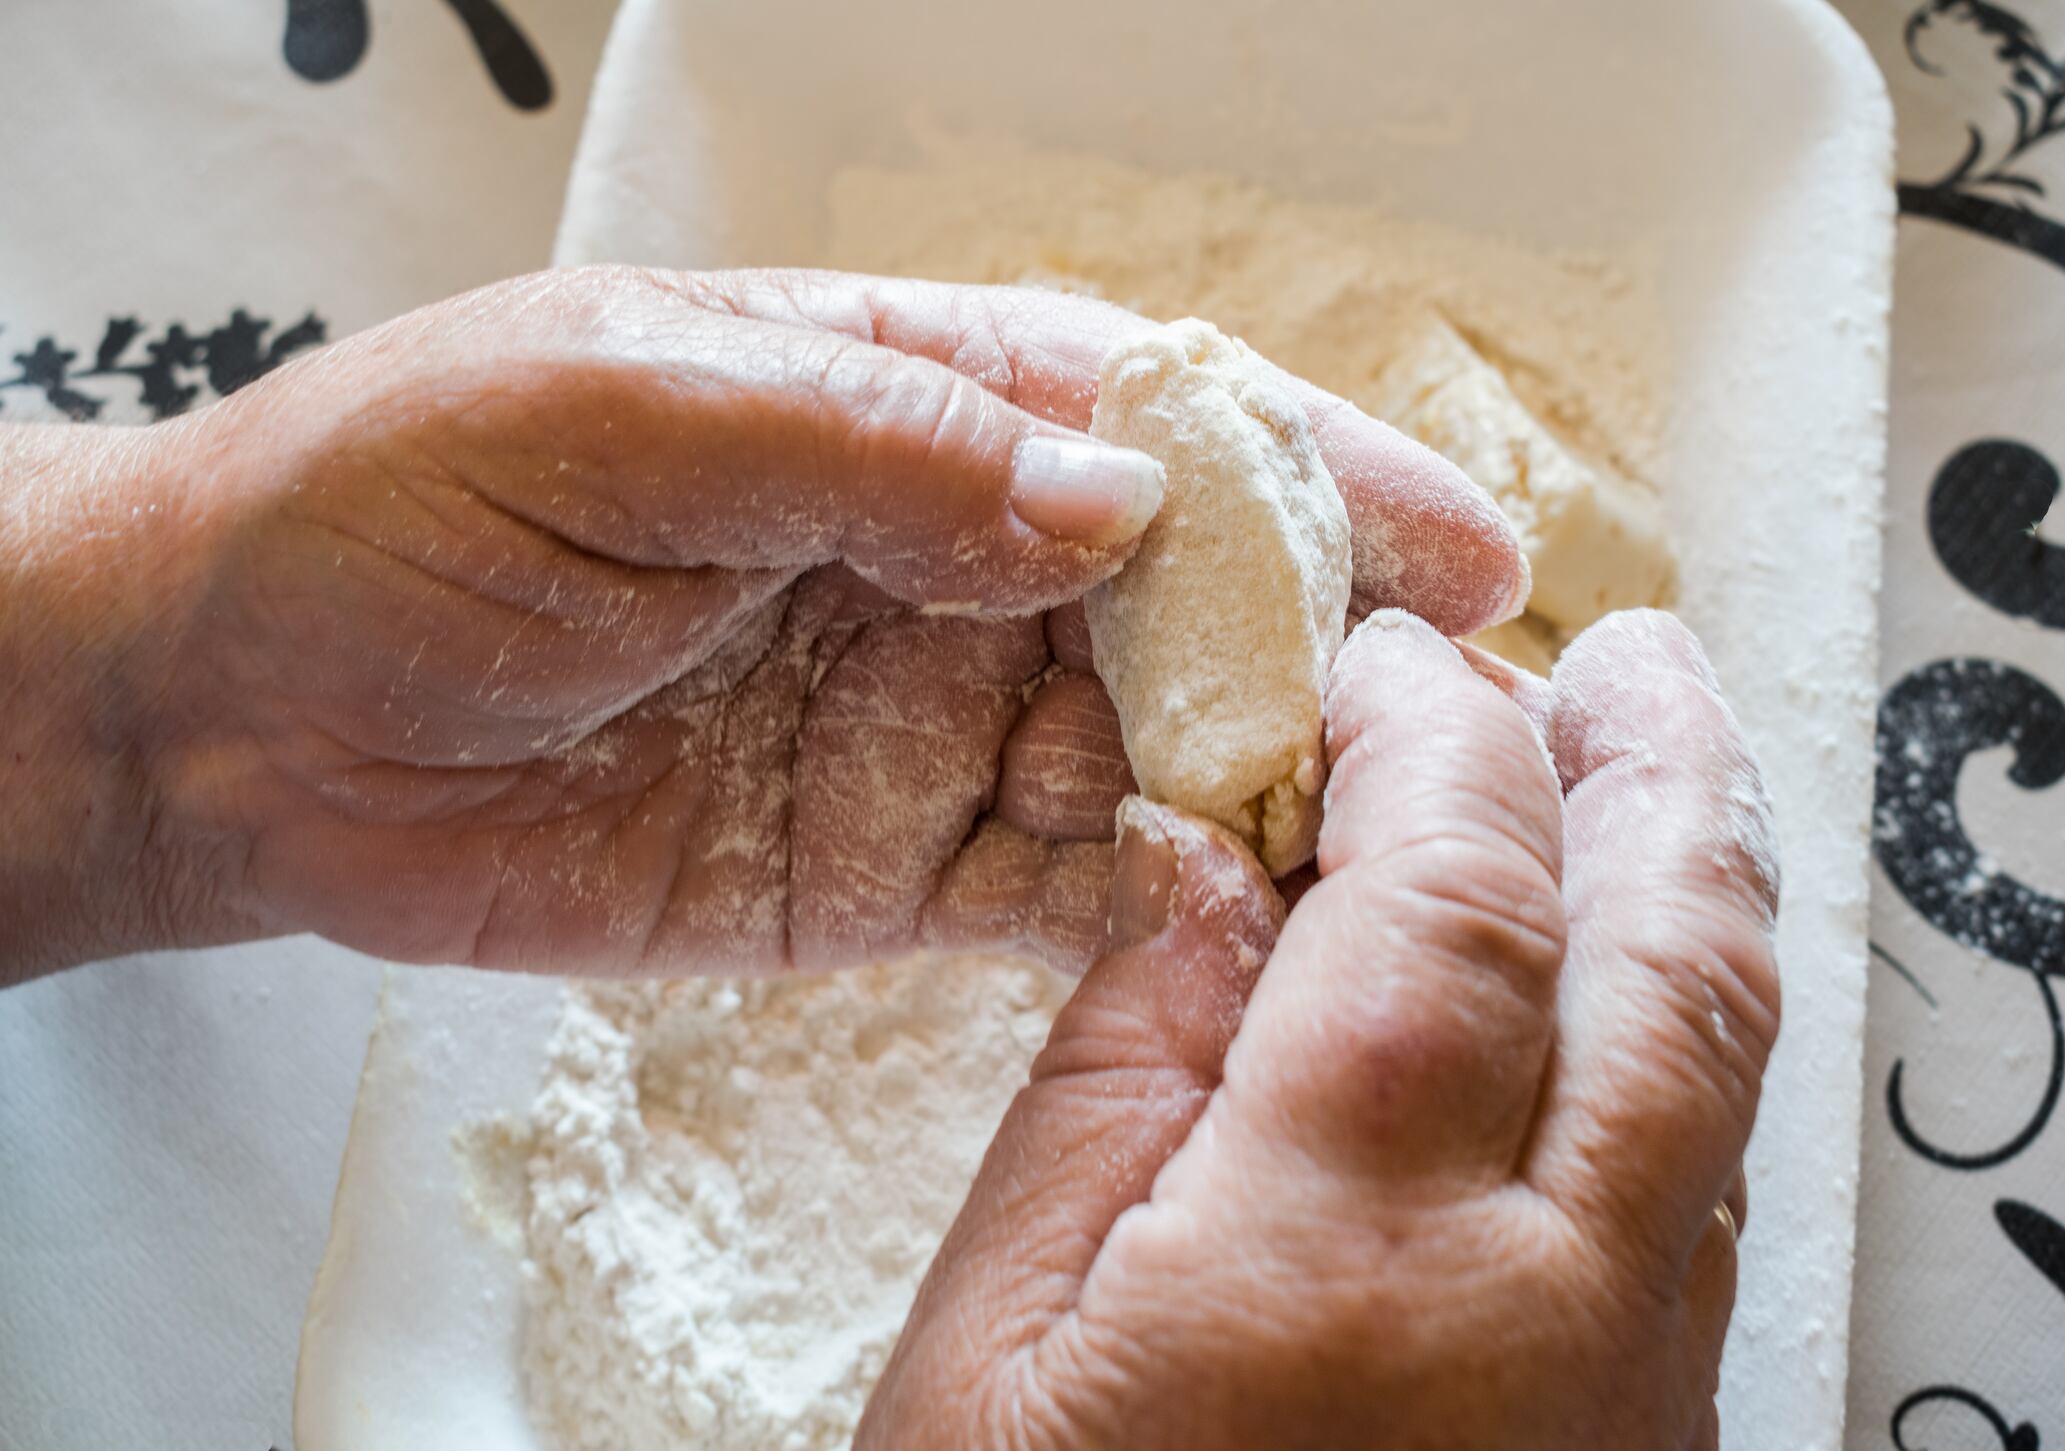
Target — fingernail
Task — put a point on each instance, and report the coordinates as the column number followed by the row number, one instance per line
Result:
column 1143, row 877
column 1081, row 489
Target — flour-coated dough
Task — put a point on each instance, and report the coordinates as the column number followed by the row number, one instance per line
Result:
column 1216, row 638
column 1594, row 540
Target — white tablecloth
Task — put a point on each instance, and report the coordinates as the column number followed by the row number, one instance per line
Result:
column 1958, row 1334
column 239, row 187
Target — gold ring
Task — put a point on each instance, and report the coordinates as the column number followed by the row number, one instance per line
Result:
column 1727, row 1217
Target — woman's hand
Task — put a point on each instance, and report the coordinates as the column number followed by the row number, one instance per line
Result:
column 619, row 621
column 1452, row 1179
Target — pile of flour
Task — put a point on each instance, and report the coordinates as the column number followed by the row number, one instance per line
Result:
column 733, row 1189
column 1322, row 290
column 736, row 1187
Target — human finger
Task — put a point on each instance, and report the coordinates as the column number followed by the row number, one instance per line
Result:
column 1009, row 891
column 1130, row 1065
column 1671, row 1005
column 1425, row 537
column 1064, row 770
column 1405, row 1024
column 896, row 760
column 597, row 406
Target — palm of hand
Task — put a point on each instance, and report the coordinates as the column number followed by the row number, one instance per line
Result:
column 525, row 751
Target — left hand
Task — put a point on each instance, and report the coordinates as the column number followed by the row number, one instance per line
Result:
column 611, row 620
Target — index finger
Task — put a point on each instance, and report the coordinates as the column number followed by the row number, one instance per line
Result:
column 1426, row 539
column 1403, row 1025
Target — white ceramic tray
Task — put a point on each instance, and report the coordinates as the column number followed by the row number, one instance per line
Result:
column 1743, row 149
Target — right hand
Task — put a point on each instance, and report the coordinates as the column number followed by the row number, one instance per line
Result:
column 1449, row 1178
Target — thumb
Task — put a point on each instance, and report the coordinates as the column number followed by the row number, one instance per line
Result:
column 616, row 412
column 1127, row 1070
column 758, row 444
column 943, row 493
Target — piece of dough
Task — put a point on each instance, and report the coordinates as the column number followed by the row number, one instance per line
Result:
column 1216, row 638
column 1594, row 540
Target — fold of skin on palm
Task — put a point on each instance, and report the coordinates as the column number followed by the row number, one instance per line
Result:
column 622, row 621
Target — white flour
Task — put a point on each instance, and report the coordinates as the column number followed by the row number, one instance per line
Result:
column 734, row 1189
column 1330, row 292
column 1321, row 290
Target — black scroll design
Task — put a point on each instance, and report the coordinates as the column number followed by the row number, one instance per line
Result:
column 1991, row 190
column 2040, row 1238
column 2023, row 1437
column 1929, row 723
column 518, row 71
column 1984, row 509
column 326, row 39
column 169, row 369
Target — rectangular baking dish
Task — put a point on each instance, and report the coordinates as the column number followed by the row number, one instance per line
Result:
column 1740, row 153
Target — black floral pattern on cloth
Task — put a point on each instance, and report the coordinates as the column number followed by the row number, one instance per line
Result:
column 326, row 39
column 168, row 369
column 1985, row 510
column 2012, row 1438
column 1929, row 724
column 1991, row 189
column 2040, row 1238
column 1983, row 516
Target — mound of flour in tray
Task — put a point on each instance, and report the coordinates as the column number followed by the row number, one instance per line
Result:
column 1323, row 290
column 736, row 1187
column 1346, row 297
column 733, row 1189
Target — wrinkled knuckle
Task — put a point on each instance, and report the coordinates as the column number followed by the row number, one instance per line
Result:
column 1749, row 958
column 911, row 415
column 599, row 292
column 1411, row 750
column 848, row 397
column 1016, row 1409
column 1735, row 963
column 1072, row 1387
column 1479, row 896
column 1720, row 978
column 1508, row 769
column 1393, row 1043
column 980, row 351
